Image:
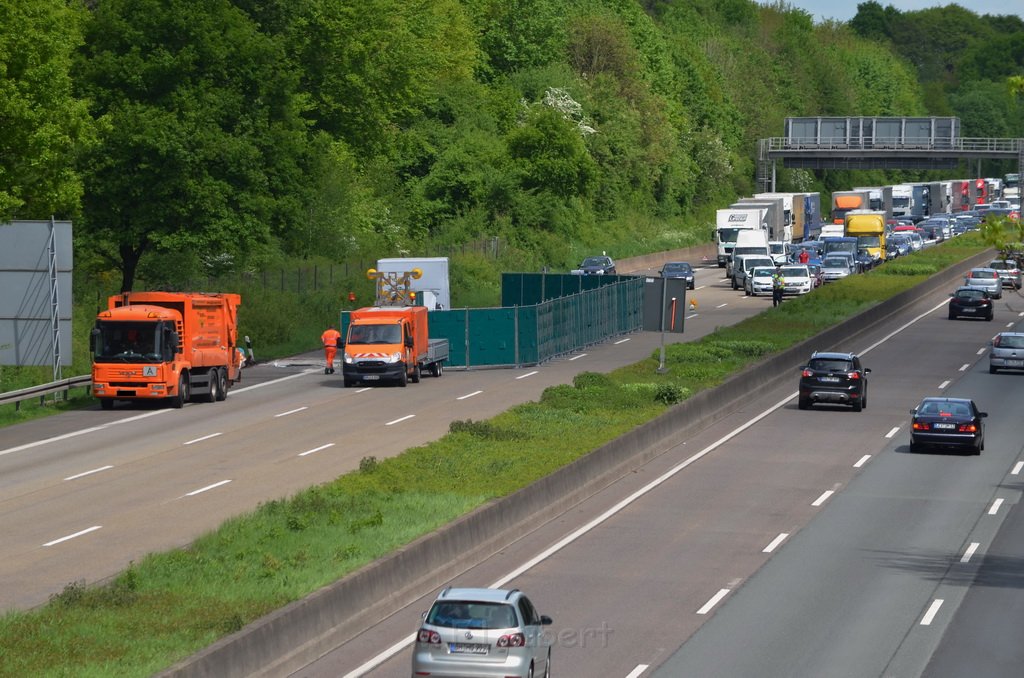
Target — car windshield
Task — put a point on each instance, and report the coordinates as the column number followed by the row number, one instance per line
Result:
column 835, row 262
column 471, row 615
column 983, row 275
column 830, row 365
column 763, row 272
column 595, row 261
column 794, row 272
column 677, row 268
column 375, row 334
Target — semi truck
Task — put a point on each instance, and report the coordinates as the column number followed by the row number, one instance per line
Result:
column 774, row 220
column 844, row 201
column 868, row 227
column 728, row 224
column 390, row 342
column 173, row 346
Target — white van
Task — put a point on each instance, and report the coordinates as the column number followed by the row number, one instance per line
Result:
column 752, row 241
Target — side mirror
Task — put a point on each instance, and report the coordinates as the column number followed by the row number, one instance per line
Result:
column 867, row 370
column 174, row 340
column 545, row 620
column 982, row 414
column 913, row 411
column 93, row 336
column 408, row 342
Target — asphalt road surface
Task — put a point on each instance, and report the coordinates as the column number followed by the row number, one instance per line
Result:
column 780, row 542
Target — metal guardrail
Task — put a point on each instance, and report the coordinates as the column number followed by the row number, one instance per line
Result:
column 43, row 390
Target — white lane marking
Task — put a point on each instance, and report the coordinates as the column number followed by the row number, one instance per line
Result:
column 199, row 440
column 577, row 357
column 722, row 305
column 315, row 449
column 965, row 367
column 715, row 600
column 635, row 673
column 75, row 434
column 1017, row 467
column 469, row 395
column 387, row 654
column 400, row 419
column 970, row 552
column 894, row 431
column 863, row 460
column 297, row 409
column 981, row 350
column 365, row 389
column 89, row 473
column 204, row 489
column 528, row 374
column 72, row 536
column 276, row 381
column 1021, row 314
column 995, row 506
column 932, row 611
column 692, row 315
column 944, row 384
column 700, row 287
column 823, row 498
column 775, row 543
column 1009, row 324
column 621, row 341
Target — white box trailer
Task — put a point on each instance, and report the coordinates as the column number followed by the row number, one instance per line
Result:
column 729, row 222
column 432, row 286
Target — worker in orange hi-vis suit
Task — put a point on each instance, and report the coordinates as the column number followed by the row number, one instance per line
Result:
column 330, row 337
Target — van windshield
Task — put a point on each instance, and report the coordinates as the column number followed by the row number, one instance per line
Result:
column 375, row 334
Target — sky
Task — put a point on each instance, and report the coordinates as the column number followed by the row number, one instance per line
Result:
column 844, row 10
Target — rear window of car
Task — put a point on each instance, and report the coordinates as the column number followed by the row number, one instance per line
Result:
column 471, row 615
column 795, row 272
column 830, row 365
column 970, row 294
column 982, row 275
column 677, row 268
column 1009, row 341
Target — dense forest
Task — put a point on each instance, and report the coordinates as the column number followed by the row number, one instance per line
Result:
column 205, row 136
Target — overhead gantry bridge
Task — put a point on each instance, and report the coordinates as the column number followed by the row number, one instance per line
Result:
column 858, row 143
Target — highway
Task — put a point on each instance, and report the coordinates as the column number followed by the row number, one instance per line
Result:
column 780, row 542
column 83, row 494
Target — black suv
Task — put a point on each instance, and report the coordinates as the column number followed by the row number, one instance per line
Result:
column 834, row 378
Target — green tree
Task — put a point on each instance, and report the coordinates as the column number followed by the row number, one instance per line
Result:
column 205, row 152
column 42, row 124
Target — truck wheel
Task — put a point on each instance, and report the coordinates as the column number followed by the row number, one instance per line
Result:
column 214, row 378
column 222, row 384
column 108, row 403
column 179, row 400
column 404, row 379
column 416, row 374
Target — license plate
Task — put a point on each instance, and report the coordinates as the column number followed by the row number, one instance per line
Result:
column 371, row 377
column 970, row 310
column 467, row 648
column 831, row 380
column 1015, row 363
column 943, row 426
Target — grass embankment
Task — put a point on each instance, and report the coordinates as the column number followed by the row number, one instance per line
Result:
column 174, row 603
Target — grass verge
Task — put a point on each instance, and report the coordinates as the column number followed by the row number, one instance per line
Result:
column 172, row 604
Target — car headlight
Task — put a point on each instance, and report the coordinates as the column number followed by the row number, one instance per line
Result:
column 348, row 359
column 395, row 357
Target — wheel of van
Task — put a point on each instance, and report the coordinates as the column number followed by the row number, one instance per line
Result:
column 222, row 384
column 547, row 665
column 404, row 379
column 992, row 369
column 179, row 400
column 108, row 403
column 734, row 285
column 416, row 374
column 214, row 379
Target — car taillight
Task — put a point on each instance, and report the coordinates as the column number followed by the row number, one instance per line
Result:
column 853, row 375
column 807, row 373
column 998, row 341
column 921, row 426
column 512, row 640
column 429, row 637
column 968, row 428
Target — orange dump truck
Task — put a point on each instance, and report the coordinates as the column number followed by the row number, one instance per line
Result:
column 165, row 345
column 390, row 343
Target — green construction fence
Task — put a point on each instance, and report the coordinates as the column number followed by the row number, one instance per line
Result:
column 543, row 315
